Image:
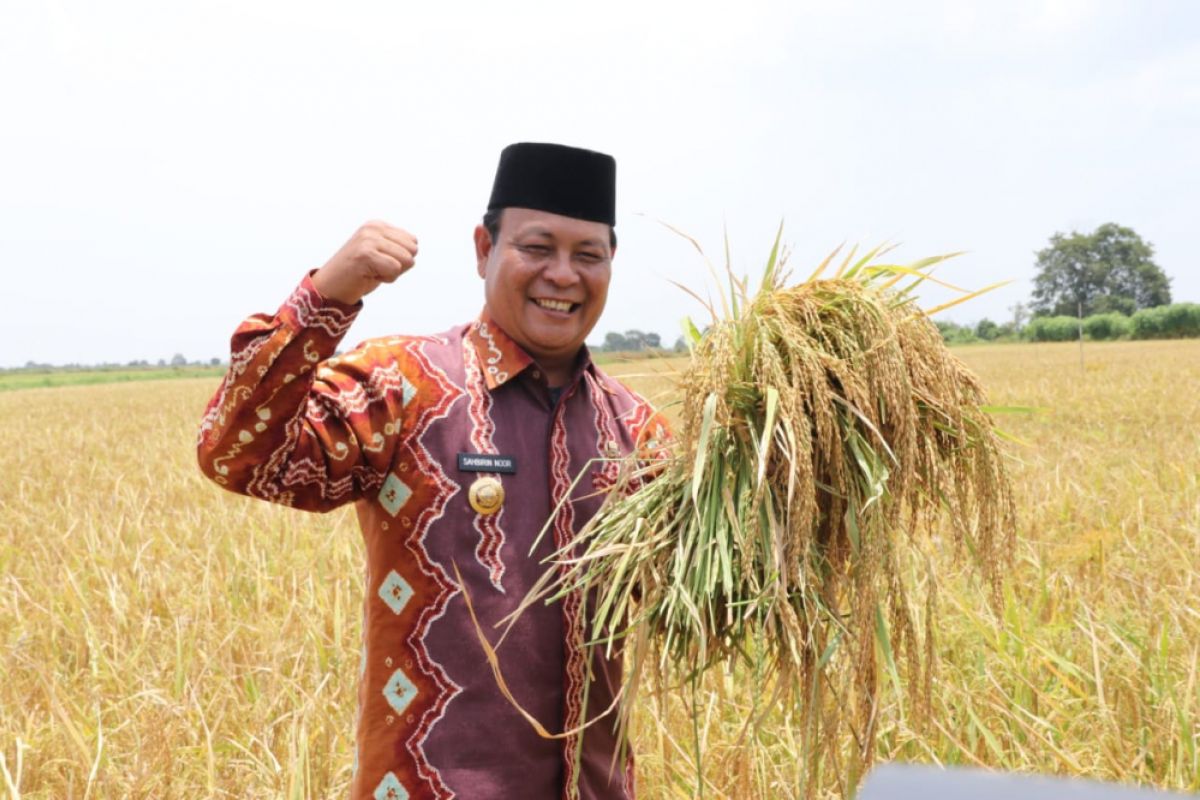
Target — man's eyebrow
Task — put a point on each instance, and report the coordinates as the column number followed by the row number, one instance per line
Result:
column 548, row 234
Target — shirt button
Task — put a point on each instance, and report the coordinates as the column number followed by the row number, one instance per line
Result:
column 537, row 375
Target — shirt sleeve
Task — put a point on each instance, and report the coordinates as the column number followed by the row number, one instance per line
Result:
column 292, row 424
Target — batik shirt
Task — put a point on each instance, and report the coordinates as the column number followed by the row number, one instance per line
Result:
column 383, row 427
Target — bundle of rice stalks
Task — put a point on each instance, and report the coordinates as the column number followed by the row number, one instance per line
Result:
column 825, row 425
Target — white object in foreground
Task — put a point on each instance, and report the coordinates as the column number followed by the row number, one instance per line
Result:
column 914, row 782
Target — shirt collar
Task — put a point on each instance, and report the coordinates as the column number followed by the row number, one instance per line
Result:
column 501, row 358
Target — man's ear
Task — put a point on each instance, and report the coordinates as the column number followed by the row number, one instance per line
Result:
column 483, row 248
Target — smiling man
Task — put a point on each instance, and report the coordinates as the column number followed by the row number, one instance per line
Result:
column 456, row 449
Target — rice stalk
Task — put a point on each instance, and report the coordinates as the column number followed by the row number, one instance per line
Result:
column 824, row 426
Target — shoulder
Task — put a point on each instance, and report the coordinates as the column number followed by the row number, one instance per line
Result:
column 410, row 353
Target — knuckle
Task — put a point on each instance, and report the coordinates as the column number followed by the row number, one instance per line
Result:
column 367, row 247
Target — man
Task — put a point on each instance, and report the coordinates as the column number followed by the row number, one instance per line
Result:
column 457, row 449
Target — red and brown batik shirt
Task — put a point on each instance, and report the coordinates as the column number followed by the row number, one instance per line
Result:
column 383, row 427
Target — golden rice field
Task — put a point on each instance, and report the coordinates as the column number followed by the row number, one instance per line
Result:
column 162, row 638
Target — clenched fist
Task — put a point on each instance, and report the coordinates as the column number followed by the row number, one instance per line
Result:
column 376, row 253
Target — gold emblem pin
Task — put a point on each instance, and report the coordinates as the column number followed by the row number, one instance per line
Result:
column 486, row 495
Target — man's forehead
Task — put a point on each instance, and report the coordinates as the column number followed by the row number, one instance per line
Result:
column 531, row 222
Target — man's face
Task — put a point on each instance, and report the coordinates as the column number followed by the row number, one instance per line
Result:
column 546, row 280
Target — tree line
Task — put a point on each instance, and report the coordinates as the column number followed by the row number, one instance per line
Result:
column 1101, row 285
column 634, row 341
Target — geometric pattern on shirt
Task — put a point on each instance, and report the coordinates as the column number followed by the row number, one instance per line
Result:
column 500, row 357
column 608, row 444
column 573, row 623
column 431, row 491
column 258, row 343
column 395, row 591
column 495, row 355
column 383, row 381
column 491, row 535
column 608, row 470
column 649, row 434
column 306, row 308
column 311, row 312
column 390, row 789
column 394, row 494
column 399, row 691
column 648, row 430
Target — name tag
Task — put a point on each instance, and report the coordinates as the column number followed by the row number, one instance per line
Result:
column 482, row 462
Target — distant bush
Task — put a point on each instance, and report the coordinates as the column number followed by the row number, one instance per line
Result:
column 1175, row 321
column 1052, row 329
column 986, row 330
column 1149, row 323
column 1183, row 319
column 953, row 333
column 1105, row 327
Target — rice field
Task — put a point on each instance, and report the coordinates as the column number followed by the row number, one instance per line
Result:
column 162, row 638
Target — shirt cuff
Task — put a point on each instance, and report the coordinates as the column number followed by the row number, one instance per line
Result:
column 307, row 309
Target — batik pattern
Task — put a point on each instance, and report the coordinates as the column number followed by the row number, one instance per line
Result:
column 419, row 690
column 608, row 468
column 294, row 424
column 575, row 677
column 491, row 534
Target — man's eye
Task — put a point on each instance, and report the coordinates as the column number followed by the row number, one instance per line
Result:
column 591, row 258
column 536, row 249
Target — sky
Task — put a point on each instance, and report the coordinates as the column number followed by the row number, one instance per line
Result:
column 167, row 169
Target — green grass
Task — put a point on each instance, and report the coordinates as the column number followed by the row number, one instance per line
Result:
column 11, row 380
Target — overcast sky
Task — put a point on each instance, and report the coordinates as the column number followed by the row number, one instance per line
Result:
column 167, row 169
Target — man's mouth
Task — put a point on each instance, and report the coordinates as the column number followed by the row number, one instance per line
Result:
column 561, row 306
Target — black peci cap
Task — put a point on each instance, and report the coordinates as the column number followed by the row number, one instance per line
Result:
column 562, row 180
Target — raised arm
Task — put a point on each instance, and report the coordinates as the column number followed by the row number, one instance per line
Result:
column 290, row 423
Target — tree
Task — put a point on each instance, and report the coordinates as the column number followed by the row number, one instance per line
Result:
column 1110, row 269
column 986, row 329
column 615, row 342
column 1020, row 314
column 635, row 340
column 178, row 360
column 953, row 333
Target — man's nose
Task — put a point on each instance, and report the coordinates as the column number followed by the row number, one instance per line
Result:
column 560, row 271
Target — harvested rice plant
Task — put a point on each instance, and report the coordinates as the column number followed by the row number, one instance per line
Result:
column 161, row 638
column 825, row 432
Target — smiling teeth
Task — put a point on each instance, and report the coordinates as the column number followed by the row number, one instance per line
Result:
column 554, row 305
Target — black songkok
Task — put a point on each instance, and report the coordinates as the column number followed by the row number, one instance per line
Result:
column 556, row 178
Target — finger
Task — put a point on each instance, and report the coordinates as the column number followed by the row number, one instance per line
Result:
column 377, row 228
column 384, row 268
column 405, row 256
column 401, row 237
